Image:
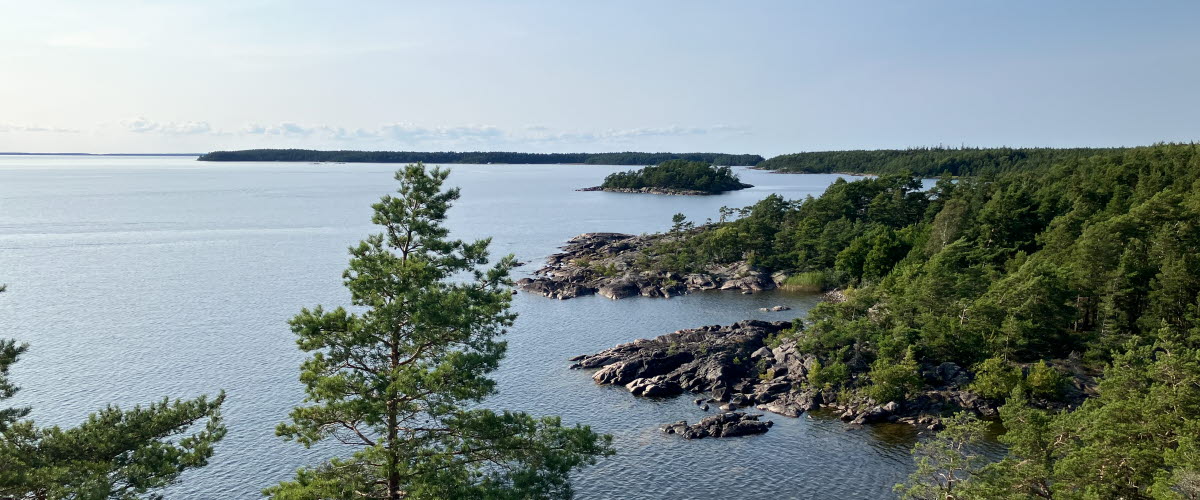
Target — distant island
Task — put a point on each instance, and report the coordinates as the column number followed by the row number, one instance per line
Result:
column 476, row 157
column 674, row 177
column 17, row 153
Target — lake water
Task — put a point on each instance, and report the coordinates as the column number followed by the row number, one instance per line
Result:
column 137, row 278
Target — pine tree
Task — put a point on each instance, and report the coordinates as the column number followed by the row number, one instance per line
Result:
column 117, row 454
column 946, row 461
column 401, row 379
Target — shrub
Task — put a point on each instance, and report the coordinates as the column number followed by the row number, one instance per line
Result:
column 995, row 378
column 834, row 375
column 1044, row 381
column 891, row 380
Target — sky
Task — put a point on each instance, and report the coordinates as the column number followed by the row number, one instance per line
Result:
column 555, row 76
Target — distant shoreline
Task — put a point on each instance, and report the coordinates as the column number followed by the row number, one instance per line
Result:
column 632, row 158
column 2, row 153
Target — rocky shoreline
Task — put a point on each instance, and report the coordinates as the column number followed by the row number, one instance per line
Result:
column 736, row 367
column 657, row 190
column 606, row 263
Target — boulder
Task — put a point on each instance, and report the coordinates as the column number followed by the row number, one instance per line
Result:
column 620, row 290
column 653, row 387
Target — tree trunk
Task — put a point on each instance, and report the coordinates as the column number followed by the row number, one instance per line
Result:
column 393, row 472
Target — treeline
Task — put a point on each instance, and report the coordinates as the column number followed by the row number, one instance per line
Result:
column 679, row 175
column 1029, row 277
column 476, row 157
column 927, row 162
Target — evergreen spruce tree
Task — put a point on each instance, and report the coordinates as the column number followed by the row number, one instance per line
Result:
column 400, row 379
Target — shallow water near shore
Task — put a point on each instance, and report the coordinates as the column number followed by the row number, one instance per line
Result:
column 135, row 278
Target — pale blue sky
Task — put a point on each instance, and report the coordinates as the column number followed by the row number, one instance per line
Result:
column 754, row 77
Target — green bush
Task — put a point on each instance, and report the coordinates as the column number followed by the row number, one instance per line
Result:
column 995, row 378
column 827, row 377
column 1044, row 381
column 892, row 380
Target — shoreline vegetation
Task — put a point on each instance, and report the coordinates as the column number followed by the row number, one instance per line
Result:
column 676, row 177
column 478, row 157
column 1054, row 291
column 1057, row 291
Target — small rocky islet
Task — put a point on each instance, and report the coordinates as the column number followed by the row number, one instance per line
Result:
column 674, row 177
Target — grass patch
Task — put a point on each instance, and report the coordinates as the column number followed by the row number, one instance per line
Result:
column 813, row 281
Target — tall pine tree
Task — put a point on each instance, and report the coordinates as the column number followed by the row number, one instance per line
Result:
column 401, row 378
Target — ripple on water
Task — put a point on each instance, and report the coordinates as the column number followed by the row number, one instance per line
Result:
column 138, row 278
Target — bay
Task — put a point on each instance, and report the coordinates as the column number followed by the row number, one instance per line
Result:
column 133, row 278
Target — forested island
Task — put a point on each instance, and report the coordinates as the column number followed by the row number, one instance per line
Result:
column 927, row 162
column 1057, row 291
column 674, row 177
column 476, row 157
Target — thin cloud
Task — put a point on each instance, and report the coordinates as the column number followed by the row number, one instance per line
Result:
column 12, row 127
column 141, row 125
column 626, row 135
column 401, row 134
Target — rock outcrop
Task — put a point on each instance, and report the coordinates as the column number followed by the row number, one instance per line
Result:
column 612, row 265
column 732, row 364
column 734, row 368
column 713, row 359
column 721, row 425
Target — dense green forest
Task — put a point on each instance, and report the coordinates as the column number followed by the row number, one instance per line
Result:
column 477, row 157
column 680, row 175
column 1059, row 265
column 927, row 162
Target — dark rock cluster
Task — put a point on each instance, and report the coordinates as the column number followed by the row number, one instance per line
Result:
column 721, row 425
column 730, row 363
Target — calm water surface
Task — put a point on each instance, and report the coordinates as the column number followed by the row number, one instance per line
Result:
column 135, row 278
